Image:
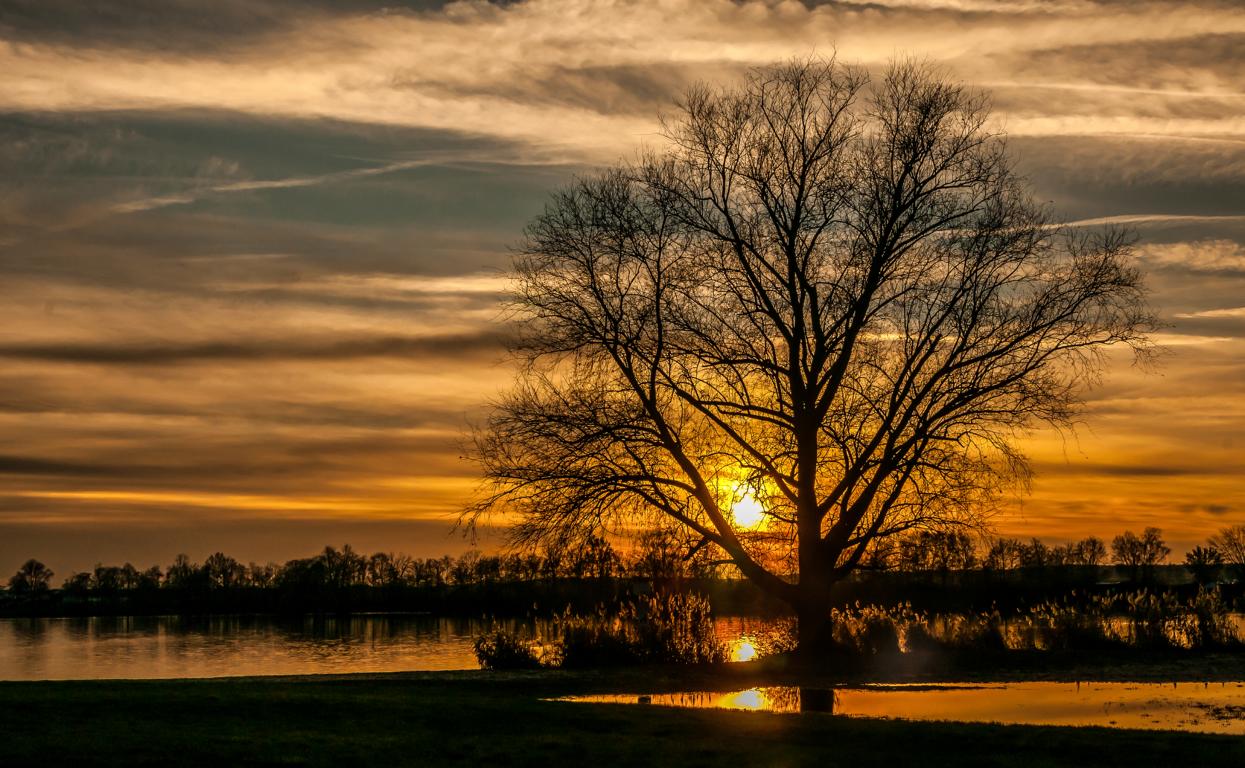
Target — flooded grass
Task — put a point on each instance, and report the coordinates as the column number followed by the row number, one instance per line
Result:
column 474, row 718
column 1193, row 707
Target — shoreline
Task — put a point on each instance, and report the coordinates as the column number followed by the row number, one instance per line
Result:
column 904, row 669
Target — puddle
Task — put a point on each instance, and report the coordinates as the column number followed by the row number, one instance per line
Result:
column 1196, row 707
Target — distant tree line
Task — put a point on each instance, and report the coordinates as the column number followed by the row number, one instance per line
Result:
column 350, row 580
column 1137, row 554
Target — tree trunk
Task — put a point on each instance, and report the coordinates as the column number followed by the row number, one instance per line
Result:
column 815, row 630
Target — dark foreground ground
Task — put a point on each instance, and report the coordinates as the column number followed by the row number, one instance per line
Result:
column 498, row 719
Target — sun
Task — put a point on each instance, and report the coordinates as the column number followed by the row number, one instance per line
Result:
column 748, row 512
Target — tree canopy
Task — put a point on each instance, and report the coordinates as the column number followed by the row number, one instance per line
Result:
column 818, row 316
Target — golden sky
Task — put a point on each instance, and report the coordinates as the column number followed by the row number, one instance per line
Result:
column 250, row 250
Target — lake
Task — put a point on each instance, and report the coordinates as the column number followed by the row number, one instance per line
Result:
column 222, row 646
column 219, row 646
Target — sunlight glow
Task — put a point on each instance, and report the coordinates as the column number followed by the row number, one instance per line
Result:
column 753, row 699
column 747, row 512
column 743, row 650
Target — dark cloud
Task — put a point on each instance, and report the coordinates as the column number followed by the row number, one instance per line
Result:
column 81, row 197
column 624, row 89
column 1173, row 64
column 1092, row 176
column 175, row 26
column 457, row 347
column 288, row 473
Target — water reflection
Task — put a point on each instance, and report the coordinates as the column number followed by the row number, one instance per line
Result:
column 170, row 646
column 1201, row 707
column 214, row 646
column 741, row 633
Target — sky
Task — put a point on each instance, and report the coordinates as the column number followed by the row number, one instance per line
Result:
column 252, row 252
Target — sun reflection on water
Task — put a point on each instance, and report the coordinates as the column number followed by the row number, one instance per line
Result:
column 753, row 698
column 1193, row 707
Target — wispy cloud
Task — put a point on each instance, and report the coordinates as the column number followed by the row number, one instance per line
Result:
column 511, row 69
column 194, row 195
column 1229, row 312
column 1152, row 218
column 458, row 348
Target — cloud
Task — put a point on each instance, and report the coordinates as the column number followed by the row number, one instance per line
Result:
column 249, row 269
column 1232, row 312
column 1213, row 256
column 184, row 198
column 574, row 79
column 173, row 25
column 1152, row 218
column 459, row 347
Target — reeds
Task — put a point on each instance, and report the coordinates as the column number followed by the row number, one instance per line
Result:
column 663, row 628
column 1141, row 619
column 677, row 628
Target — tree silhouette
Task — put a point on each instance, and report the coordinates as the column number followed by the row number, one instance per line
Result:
column 1203, row 563
column 1230, row 542
column 829, row 299
column 1140, row 553
column 32, row 578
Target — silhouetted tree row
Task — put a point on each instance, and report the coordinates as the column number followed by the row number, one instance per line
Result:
column 347, row 579
column 343, row 579
column 1137, row 554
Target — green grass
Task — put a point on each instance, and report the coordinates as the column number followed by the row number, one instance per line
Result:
column 488, row 719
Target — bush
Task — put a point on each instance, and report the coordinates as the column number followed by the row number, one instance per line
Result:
column 501, row 649
column 1068, row 625
column 1153, row 619
column 1209, row 623
column 776, row 638
column 677, row 628
column 600, row 640
column 868, row 630
column 665, row 628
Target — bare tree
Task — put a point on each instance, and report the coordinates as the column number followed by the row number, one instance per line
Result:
column 32, row 578
column 1230, row 542
column 1203, row 563
column 1140, row 554
column 828, row 303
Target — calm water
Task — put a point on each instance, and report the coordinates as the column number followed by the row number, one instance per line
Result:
column 170, row 646
column 1205, row 708
column 221, row 646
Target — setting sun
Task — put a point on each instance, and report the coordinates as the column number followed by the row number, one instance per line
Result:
column 747, row 512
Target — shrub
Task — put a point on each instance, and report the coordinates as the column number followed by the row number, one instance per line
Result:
column 1153, row 619
column 501, row 649
column 776, row 638
column 677, row 628
column 868, row 630
column 600, row 640
column 973, row 631
column 1209, row 622
column 664, row 628
column 1072, row 625
column 918, row 637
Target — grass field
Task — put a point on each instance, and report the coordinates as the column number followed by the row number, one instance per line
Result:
column 491, row 719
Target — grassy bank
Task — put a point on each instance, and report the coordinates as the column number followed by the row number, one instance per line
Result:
column 496, row 719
